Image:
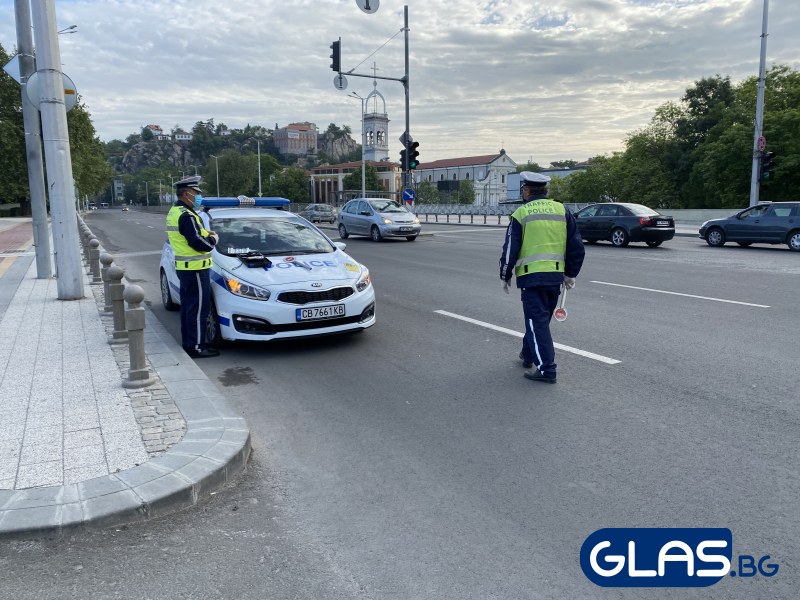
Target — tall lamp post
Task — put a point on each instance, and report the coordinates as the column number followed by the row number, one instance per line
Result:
column 363, row 147
column 258, row 145
column 146, row 194
column 216, row 161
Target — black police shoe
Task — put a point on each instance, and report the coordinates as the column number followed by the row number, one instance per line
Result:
column 205, row 353
column 527, row 365
column 536, row 375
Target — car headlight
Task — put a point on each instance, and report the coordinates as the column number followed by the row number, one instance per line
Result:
column 245, row 290
column 387, row 221
column 416, row 220
column 364, row 281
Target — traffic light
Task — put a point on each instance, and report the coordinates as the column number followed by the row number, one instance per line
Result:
column 413, row 156
column 336, row 56
column 767, row 165
column 404, row 159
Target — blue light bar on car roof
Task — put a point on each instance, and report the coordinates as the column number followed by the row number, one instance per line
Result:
column 245, row 201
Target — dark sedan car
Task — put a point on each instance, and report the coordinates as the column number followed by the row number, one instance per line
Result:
column 765, row 223
column 624, row 222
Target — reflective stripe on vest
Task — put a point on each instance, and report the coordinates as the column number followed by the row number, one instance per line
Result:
column 186, row 257
column 544, row 237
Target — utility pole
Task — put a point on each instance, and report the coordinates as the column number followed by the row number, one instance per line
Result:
column 758, row 143
column 33, row 143
column 406, row 174
column 69, row 275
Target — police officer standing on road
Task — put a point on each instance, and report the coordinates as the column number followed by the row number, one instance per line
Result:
column 544, row 249
column 192, row 244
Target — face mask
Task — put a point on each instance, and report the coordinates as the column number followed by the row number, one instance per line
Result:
column 197, row 202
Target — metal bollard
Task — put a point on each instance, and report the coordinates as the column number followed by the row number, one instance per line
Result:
column 138, row 373
column 94, row 260
column 106, row 259
column 116, row 289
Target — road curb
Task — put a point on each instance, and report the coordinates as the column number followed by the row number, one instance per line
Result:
column 213, row 451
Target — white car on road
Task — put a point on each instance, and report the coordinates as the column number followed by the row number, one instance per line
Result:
column 275, row 275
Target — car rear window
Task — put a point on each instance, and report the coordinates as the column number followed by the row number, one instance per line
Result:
column 641, row 211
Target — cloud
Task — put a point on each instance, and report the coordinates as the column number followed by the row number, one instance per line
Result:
column 564, row 79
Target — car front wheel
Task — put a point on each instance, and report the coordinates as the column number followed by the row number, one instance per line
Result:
column 166, row 295
column 794, row 241
column 619, row 237
column 375, row 234
column 343, row 232
column 213, row 333
column 715, row 237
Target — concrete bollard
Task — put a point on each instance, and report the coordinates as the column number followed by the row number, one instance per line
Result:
column 116, row 289
column 138, row 373
column 106, row 259
column 94, row 260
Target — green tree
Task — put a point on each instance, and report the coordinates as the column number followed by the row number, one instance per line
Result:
column 529, row 166
column 427, row 193
column 90, row 170
column 466, row 192
column 352, row 181
column 290, row 183
column 13, row 166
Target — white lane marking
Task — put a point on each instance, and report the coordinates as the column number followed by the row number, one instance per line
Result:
column 633, row 287
column 464, row 230
column 151, row 227
column 578, row 351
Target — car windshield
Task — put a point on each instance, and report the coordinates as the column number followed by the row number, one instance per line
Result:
column 641, row 211
column 387, row 206
column 269, row 236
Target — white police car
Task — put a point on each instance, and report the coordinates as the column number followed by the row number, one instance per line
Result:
column 275, row 275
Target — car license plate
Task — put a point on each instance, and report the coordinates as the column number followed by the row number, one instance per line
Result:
column 662, row 223
column 405, row 229
column 320, row 312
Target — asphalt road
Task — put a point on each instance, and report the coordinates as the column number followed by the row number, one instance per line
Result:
column 415, row 461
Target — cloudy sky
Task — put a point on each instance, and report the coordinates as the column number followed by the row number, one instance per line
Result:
column 563, row 79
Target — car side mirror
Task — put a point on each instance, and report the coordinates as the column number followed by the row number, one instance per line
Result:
column 340, row 245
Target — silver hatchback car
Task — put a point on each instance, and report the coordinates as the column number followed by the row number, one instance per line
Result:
column 378, row 218
column 319, row 212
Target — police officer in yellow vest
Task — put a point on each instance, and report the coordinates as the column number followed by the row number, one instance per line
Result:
column 192, row 245
column 543, row 248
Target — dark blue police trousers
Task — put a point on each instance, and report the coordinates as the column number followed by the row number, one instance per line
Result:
column 195, row 306
column 538, row 304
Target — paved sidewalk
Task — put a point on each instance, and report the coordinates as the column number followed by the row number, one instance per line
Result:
column 76, row 447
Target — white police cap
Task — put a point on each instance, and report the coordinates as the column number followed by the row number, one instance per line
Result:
column 533, row 178
column 192, row 183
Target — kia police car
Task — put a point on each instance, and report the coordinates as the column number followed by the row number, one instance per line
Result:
column 275, row 275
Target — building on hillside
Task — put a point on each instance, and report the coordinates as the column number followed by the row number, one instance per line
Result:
column 179, row 135
column 327, row 182
column 488, row 174
column 296, row 138
column 157, row 132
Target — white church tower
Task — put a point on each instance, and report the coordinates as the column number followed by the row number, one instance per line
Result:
column 376, row 126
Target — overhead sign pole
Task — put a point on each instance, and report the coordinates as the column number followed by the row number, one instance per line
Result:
column 33, row 143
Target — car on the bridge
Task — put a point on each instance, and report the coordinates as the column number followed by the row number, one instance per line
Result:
column 275, row 275
column 125, row 207
column 764, row 223
column 317, row 213
column 378, row 218
column 624, row 222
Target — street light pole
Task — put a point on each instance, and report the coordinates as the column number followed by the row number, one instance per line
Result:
column 146, row 194
column 216, row 161
column 33, row 143
column 363, row 147
column 755, row 175
column 258, row 144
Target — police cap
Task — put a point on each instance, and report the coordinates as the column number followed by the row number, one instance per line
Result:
column 533, row 179
column 191, row 183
